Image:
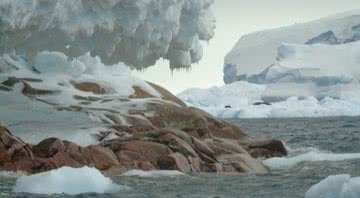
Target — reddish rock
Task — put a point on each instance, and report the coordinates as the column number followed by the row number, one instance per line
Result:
column 195, row 164
column 201, row 147
column 48, row 147
column 20, row 151
column 145, row 166
column 31, row 91
column 216, row 167
column 4, row 156
column 243, row 163
column 67, row 159
column 99, row 157
column 26, row 165
column 225, row 146
column 177, row 145
column 89, row 87
column 166, row 95
column 7, row 139
column 163, row 131
column 142, row 151
column 267, row 149
column 220, row 128
column 174, row 161
column 174, row 116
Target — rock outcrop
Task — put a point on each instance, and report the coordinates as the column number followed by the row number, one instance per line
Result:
column 174, row 137
column 149, row 129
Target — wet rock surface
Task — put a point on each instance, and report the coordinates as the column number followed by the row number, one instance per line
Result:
column 155, row 133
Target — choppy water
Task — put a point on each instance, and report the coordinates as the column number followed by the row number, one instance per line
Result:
column 312, row 141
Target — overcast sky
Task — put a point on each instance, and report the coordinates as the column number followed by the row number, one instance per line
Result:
column 234, row 19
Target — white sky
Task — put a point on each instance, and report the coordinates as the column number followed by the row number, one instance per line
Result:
column 234, row 19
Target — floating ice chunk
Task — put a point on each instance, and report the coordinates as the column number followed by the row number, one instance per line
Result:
column 311, row 156
column 336, row 186
column 140, row 173
column 69, row 181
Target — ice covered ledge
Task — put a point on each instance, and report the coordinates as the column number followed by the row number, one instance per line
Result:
column 137, row 32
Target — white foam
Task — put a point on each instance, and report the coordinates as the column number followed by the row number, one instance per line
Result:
column 278, row 163
column 69, row 181
column 8, row 174
column 162, row 173
column 336, row 186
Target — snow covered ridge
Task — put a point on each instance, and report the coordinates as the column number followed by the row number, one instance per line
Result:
column 78, row 94
column 244, row 59
column 137, row 32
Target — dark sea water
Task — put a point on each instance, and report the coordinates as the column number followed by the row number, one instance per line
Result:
column 318, row 147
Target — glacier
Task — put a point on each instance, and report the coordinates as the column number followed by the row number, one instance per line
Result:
column 254, row 52
column 304, row 70
column 137, row 32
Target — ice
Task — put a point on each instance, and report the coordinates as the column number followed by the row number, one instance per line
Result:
column 56, row 72
column 57, row 63
column 305, row 81
column 242, row 98
column 137, row 32
column 162, row 173
column 236, row 94
column 336, row 186
column 279, row 163
column 257, row 51
column 69, row 181
column 322, row 64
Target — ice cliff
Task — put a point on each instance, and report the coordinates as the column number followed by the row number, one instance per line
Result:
column 257, row 51
column 136, row 32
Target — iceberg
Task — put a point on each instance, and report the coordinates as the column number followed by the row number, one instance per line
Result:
column 257, row 51
column 304, row 70
column 335, row 186
column 69, row 181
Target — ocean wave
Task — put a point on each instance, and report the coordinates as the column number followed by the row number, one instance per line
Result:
column 311, row 155
column 140, row 173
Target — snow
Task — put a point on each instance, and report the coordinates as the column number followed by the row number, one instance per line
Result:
column 336, row 186
column 243, row 96
column 69, row 181
column 57, row 72
column 162, row 173
column 256, row 51
column 137, row 32
column 304, row 70
column 319, row 63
